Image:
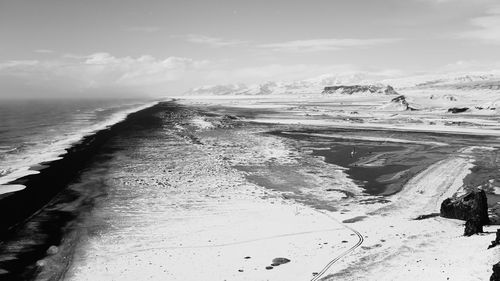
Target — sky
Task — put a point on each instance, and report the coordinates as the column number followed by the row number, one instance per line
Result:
column 71, row 48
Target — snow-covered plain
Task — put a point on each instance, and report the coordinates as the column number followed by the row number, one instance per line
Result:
column 217, row 194
column 394, row 245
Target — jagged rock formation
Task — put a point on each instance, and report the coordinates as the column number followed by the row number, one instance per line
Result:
column 349, row 90
column 472, row 205
column 496, row 272
column 496, row 241
column 473, row 226
column 401, row 100
column 398, row 103
column 458, row 109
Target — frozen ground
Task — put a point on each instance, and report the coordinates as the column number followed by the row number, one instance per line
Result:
column 231, row 183
column 394, row 246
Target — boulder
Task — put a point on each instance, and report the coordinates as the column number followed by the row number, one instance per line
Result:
column 279, row 261
column 496, row 272
column 471, row 205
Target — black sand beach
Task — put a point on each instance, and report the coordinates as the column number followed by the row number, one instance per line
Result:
column 39, row 215
column 52, row 214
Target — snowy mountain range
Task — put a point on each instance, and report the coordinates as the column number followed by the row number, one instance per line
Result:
column 318, row 84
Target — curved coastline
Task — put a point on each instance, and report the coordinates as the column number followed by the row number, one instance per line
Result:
column 48, row 178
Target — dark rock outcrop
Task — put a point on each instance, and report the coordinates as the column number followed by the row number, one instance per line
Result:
column 473, row 226
column 496, row 241
column 472, row 205
column 403, row 103
column 349, row 90
column 458, row 109
column 496, row 272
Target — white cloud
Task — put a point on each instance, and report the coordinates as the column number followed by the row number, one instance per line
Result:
column 213, row 41
column 18, row 64
column 144, row 74
column 486, row 27
column 103, row 74
column 326, row 44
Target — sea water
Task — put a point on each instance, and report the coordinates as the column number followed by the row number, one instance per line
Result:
column 38, row 131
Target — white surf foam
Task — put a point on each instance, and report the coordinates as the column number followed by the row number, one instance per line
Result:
column 21, row 165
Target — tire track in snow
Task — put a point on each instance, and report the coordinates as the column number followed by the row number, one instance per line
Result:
column 343, row 254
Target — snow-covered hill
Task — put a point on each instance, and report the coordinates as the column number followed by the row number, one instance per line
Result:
column 316, row 85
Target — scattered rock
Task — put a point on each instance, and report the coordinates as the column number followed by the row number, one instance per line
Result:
column 471, row 205
column 269, row 267
column 279, row 261
column 496, row 241
column 496, row 272
column 247, row 257
column 473, row 226
column 458, row 109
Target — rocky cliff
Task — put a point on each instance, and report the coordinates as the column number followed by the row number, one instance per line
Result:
column 358, row 89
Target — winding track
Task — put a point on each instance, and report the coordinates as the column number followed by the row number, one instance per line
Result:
column 343, row 254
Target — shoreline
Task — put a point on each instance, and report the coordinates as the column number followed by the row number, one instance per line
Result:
column 175, row 190
column 62, row 147
column 41, row 189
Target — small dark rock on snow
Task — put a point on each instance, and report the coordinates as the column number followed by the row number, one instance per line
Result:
column 279, row 261
column 458, row 109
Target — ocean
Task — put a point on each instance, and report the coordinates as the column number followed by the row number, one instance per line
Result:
column 37, row 131
column 46, row 147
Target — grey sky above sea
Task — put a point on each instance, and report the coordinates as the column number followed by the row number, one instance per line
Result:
column 122, row 47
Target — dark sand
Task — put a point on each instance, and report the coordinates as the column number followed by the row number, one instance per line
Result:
column 42, row 214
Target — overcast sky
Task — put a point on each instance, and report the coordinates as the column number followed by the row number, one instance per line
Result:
column 123, row 47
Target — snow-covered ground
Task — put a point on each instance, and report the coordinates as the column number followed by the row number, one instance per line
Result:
column 217, row 197
column 393, row 245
